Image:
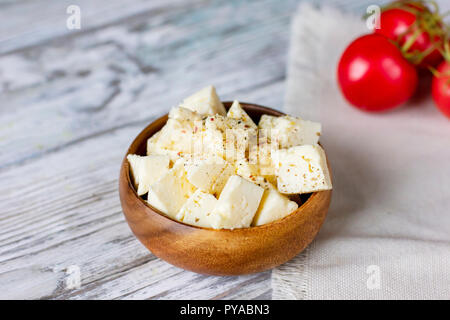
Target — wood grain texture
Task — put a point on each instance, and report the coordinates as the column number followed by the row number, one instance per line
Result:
column 70, row 103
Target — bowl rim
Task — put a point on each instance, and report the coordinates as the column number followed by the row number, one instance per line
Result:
column 126, row 167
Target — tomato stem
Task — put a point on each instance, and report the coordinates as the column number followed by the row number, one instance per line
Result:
column 428, row 20
column 407, row 45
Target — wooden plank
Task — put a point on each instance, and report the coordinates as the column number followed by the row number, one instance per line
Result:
column 115, row 76
column 40, row 21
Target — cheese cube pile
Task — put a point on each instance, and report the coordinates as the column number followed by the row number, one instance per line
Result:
column 215, row 169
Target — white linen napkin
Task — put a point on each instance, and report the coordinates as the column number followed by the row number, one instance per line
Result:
column 387, row 234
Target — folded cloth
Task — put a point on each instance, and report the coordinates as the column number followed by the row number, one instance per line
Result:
column 387, row 234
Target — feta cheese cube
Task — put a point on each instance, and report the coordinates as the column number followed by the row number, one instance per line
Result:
column 273, row 206
column 287, row 131
column 237, row 204
column 217, row 122
column 171, row 191
column 197, row 209
column 205, row 102
column 184, row 114
column 224, row 123
column 222, row 179
column 177, row 135
column 246, row 169
column 250, row 172
column 238, row 136
column 212, row 142
column 311, row 131
column 203, row 172
column 266, row 168
column 236, row 112
column 264, row 160
column 152, row 143
column 302, row 169
column 154, row 148
column 147, row 170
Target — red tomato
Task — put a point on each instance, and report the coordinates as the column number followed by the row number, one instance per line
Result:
column 374, row 76
column 397, row 24
column 440, row 88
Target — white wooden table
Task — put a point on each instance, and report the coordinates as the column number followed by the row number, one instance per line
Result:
column 71, row 101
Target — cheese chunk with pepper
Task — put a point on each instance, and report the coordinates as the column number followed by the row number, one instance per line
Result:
column 273, row 206
column 264, row 160
column 171, row 191
column 204, row 102
column 147, row 170
column 154, row 148
column 212, row 142
column 224, row 123
column 256, row 172
column 197, row 209
column 237, row 204
column 222, row 179
column 266, row 168
column 250, row 172
column 184, row 114
column 287, row 131
column 301, row 169
column 203, row 172
column 237, row 135
column 236, row 112
column 178, row 136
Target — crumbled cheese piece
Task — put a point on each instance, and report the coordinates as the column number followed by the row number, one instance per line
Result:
column 264, row 160
column 177, row 135
column 287, row 131
column 212, row 142
column 224, row 123
column 154, row 148
column 203, row 172
column 197, row 209
column 152, row 143
column 266, row 169
column 273, row 206
column 250, row 172
column 237, row 204
column 184, row 114
column 236, row 112
column 222, row 179
column 302, row 169
column 205, row 102
column 146, row 170
column 171, row 191
column 238, row 135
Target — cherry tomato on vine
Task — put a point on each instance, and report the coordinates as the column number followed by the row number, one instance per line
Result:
column 374, row 76
column 417, row 30
column 440, row 88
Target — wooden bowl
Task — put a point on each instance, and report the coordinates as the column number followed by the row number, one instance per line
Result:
column 219, row 252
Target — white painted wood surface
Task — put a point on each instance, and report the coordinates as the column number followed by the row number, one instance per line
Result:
column 70, row 104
